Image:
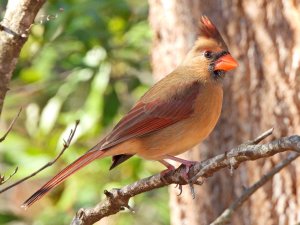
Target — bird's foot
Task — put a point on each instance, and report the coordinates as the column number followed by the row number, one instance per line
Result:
column 185, row 176
column 186, row 163
column 185, row 173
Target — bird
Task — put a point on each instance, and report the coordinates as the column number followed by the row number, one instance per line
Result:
column 173, row 116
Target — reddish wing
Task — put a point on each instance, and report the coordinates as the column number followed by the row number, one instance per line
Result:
column 146, row 118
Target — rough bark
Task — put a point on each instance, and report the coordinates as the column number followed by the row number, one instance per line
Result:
column 263, row 92
column 14, row 30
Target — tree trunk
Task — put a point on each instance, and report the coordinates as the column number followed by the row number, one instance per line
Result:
column 264, row 92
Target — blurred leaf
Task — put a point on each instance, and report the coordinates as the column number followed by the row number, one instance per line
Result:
column 111, row 106
column 32, row 118
column 30, row 75
column 95, row 56
column 50, row 114
column 116, row 24
column 6, row 218
column 94, row 101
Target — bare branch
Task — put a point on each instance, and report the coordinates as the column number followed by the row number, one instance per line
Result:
column 2, row 178
column 11, row 126
column 225, row 217
column 65, row 146
column 261, row 137
column 117, row 199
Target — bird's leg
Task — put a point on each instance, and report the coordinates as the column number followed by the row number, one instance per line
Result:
column 169, row 166
column 188, row 164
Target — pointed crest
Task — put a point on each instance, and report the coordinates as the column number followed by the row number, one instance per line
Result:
column 209, row 30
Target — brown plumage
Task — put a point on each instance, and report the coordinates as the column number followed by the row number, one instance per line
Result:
column 178, row 112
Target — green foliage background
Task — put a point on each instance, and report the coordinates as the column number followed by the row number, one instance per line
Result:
column 90, row 61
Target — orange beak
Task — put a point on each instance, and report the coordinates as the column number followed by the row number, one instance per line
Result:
column 226, row 63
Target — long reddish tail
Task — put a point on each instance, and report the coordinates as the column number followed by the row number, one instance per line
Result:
column 62, row 175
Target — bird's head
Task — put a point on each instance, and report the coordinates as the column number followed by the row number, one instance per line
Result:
column 210, row 55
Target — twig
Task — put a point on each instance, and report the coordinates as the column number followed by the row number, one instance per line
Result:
column 11, row 126
column 2, row 178
column 118, row 198
column 65, row 146
column 225, row 217
column 261, row 137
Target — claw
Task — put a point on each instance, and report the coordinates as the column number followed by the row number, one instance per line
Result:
column 192, row 190
column 180, row 189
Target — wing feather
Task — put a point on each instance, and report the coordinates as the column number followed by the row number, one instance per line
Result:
column 147, row 117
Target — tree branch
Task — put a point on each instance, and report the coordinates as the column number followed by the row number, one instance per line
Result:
column 65, row 146
column 261, row 137
column 117, row 199
column 225, row 217
column 14, row 29
column 2, row 177
column 11, row 126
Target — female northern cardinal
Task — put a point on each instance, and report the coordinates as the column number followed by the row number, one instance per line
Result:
column 174, row 115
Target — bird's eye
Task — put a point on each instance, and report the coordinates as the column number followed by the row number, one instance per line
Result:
column 208, row 54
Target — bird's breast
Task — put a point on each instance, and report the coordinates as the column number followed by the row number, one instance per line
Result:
column 185, row 134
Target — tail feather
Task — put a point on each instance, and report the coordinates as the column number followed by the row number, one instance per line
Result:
column 61, row 176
